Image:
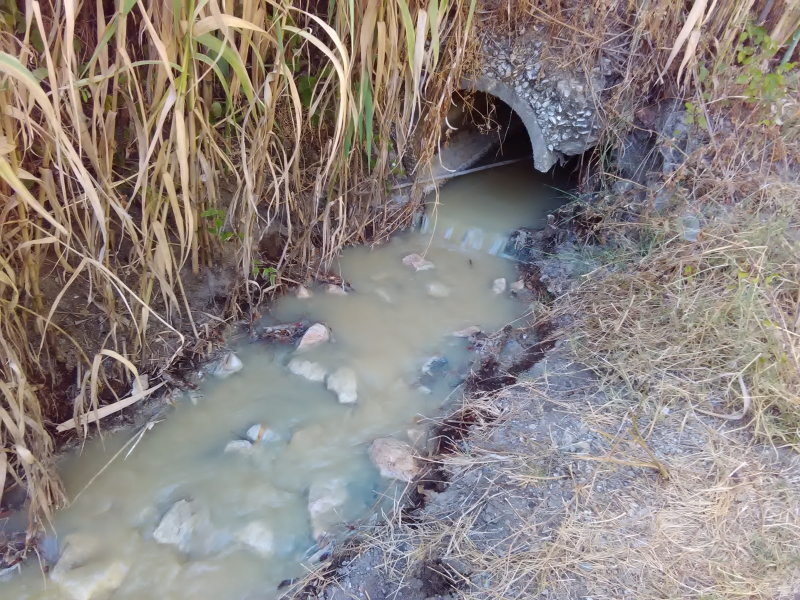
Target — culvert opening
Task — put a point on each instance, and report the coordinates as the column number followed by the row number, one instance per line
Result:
column 485, row 148
column 482, row 132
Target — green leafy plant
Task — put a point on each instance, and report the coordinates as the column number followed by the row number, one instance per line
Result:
column 754, row 52
column 260, row 269
column 695, row 115
column 216, row 217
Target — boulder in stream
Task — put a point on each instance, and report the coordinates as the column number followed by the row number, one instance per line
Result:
column 438, row 290
column 303, row 292
column 417, row 262
column 343, row 383
column 310, row 370
column 499, row 285
column 518, row 285
column 394, row 459
column 326, row 498
column 314, row 336
column 177, row 525
column 258, row 536
column 229, row 365
column 83, row 573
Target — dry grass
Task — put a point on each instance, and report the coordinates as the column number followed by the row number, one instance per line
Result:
column 723, row 525
column 140, row 145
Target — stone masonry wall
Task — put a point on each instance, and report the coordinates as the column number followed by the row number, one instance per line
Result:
column 557, row 107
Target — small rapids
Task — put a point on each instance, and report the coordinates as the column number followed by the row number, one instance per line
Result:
column 240, row 521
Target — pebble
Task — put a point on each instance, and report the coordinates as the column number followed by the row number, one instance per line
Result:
column 499, row 285
column 417, row 262
column 343, row 383
column 314, row 336
column 310, row 370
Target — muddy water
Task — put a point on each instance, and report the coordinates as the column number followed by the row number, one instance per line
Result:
column 251, row 526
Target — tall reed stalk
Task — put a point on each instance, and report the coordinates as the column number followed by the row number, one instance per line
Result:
column 142, row 140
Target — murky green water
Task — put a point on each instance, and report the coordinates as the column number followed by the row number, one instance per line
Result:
column 251, row 527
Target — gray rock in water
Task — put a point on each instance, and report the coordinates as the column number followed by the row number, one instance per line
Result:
column 344, row 384
column 435, row 365
column 438, row 290
column 258, row 537
column 239, row 447
column 499, row 285
column 336, row 290
column 310, row 370
column 84, row 573
column 468, row 332
column 326, row 499
column 314, row 336
column 229, row 365
column 177, row 525
column 417, row 262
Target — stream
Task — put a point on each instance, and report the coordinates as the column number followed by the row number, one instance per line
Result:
column 242, row 508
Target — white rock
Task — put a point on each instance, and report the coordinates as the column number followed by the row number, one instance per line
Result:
column 177, row 525
column 518, row 285
column 261, row 433
column 303, row 292
column 438, row 290
column 394, row 459
column 465, row 333
column 343, row 383
column 227, row 366
column 325, row 501
column 417, row 262
column 258, row 537
column 310, row 370
column 95, row 581
column 336, row 290
column 140, row 384
column 314, row 336
column 83, row 573
column 499, row 285
column 239, row 446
